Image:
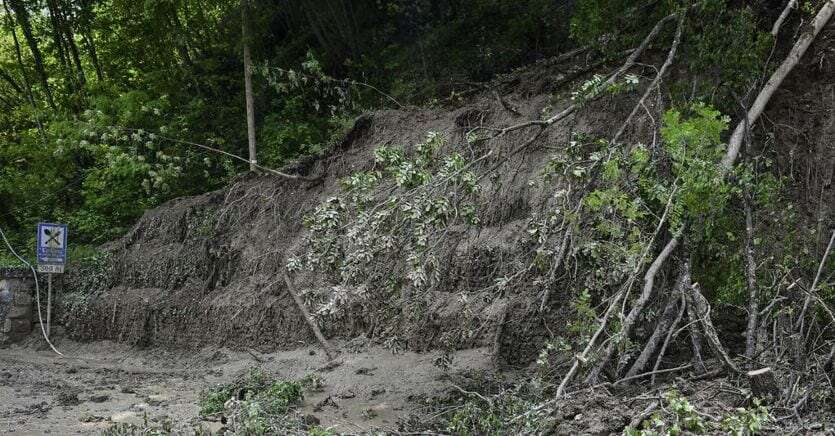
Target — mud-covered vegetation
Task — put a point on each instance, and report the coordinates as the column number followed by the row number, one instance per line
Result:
column 618, row 200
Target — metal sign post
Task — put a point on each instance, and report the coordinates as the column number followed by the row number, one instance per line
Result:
column 52, row 257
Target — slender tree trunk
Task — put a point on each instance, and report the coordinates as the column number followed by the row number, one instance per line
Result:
column 94, row 57
column 58, row 40
column 308, row 318
column 19, row 55
column 180, row 41
column 10, row 80
column 84, row 24
column 66, row 27
column 250, row 103
column 751, row 276
column 22, row 16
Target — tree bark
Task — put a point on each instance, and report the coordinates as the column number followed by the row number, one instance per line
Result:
column 250, row 103
column 763, row 384
column 751, row 277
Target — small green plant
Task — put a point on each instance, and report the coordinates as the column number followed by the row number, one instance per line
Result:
column 262, row 404
column 679, row 416
column 745, row 422
column 253, row 419
column 474, row 420
column 319, row 431
column 212, row 400
column 279, row 396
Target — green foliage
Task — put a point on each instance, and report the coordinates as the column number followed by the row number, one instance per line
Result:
column 614, row 25
column 279, row 396
column 474, row 420
column 309, row 110
column 257, row 403
column 694, row 145
column 349, row 233
column 745, row 422
column 594, row 87
column 212, row 400
column 679, row 416
column 728, row 45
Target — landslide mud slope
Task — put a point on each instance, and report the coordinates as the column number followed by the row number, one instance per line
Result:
column 206, row 270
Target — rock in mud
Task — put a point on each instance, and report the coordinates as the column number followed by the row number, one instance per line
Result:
column 99, row 397
column 128, row 390
column 213, row 428
column 68, row 398
column 131, row 418
column 346, row 394
column 158, row 399
column 88, row 417
column 310, row 420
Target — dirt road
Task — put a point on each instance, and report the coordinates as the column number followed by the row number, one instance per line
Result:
column 99, row 384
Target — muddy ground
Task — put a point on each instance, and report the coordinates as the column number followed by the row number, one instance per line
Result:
column 98, row 384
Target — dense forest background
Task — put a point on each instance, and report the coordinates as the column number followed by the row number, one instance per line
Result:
column 99, row 95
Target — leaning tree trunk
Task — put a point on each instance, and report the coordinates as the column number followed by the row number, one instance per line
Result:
column 797, row 52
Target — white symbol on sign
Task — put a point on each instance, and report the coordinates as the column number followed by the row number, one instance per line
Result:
column 53, row 237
